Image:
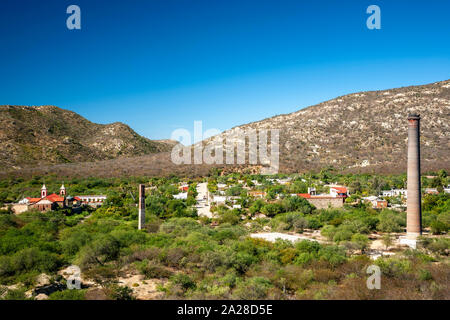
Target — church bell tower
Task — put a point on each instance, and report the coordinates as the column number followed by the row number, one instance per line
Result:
column 43, row 191
column 62, row 191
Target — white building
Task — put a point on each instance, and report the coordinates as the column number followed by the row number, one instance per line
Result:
column 92, row 200
column 284, row 181
column 181, row 196
column 219, row 199
column 338, row 191
column 24, row 201
column 395, row 193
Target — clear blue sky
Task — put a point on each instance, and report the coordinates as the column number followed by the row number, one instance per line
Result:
column 158, row 65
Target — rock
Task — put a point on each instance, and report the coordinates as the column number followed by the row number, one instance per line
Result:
column 29, row 293
column 43, row 280
column 41, row 296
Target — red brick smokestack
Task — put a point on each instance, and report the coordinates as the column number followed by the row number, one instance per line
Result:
column 414, row 211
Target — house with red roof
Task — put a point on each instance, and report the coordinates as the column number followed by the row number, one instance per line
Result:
column 48, row 202
column 334, row 199
column 339, row 192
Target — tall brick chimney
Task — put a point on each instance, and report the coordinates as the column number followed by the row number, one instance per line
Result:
column 141, row 206
column 414, row 212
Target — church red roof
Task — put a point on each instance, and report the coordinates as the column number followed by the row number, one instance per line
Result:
column 51, row 197
column 33, row 200
column 55, row 198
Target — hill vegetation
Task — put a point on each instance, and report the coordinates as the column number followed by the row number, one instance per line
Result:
column 359, row 132
column 364, row 132
column 201, row 258
column 34, row 136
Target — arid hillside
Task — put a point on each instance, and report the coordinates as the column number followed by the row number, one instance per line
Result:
column 359, row 132
column 49, row 135
column 364, row 131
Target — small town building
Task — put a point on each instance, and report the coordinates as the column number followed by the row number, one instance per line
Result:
column 323, row 201
column 47, row 202
column 221, row 186
column 181, row 196
column 338, row 192
column 376, row 202
column 395, row 193
column 431, row 191
column 257, row 194
column 91, row 200
column 219, row 199
column 335, row 199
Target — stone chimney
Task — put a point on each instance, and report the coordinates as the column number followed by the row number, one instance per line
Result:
column 141, row 206
column 414, row 212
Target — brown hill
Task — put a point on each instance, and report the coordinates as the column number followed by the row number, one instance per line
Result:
column 49, row 135
column 364, row 131
column 360, row 132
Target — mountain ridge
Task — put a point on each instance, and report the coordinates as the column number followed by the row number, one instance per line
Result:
column 362, row 129
column 358, row 132
column 42, row 135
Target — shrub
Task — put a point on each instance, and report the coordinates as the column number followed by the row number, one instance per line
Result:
column 295, row 277
column 391, row 222
column 102, row 275
column 304, row 258
column 394, row 267
column 439, row 246
column 68, row 295
column 439, row 227
column 272, row 209
column 152, row 270
column 361, row 241
column 334, row 255
column 183, row 280
column 387, row 240
column 288, row 255
column 174, row 256
column 425, row 275
column 229, row 217
column 328, row 231
column 342, row 235
column 105, row 248
column 16, row 294
column 117, row 292
column 252, row 289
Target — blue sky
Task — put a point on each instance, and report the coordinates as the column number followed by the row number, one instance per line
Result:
column 159, row 65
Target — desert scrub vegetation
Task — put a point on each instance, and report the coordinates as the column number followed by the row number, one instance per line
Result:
column 215, row 258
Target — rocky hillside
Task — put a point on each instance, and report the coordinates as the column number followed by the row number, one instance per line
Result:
column 360, row 132
column 364, row 131
column 48, row 134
